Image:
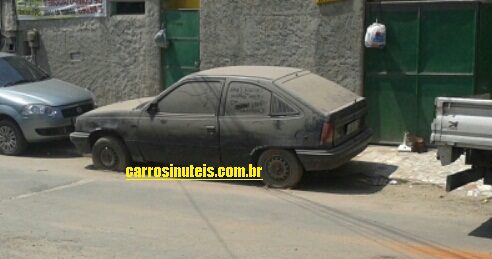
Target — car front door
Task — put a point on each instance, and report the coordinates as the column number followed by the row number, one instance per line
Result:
column 186, row 125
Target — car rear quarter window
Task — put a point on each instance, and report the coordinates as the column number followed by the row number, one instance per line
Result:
column 281, row 108
column 193, row 98
column 247, row 99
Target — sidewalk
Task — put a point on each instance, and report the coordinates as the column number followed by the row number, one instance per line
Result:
column 386, row 161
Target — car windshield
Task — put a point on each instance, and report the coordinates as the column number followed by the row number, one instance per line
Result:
column 16, row 70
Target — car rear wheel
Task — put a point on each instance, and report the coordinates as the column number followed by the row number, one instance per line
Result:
column 12, row 141
column 280, row 168
column 110, row 153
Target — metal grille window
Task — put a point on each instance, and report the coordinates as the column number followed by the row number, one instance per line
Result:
column 127, row 8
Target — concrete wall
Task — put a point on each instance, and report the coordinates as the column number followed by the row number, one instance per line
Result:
column 118, row 57
column 324, row 39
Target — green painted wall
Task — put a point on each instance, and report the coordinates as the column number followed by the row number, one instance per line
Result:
column 182, row 56
column 484, row 56
column 431, row 51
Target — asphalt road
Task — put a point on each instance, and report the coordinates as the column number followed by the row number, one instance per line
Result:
column 52, row 204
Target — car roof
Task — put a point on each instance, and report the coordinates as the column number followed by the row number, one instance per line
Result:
column 265, row 72
column 5, row 54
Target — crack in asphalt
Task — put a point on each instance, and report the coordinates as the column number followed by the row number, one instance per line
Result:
column 48, row 190
column 373, row 231
column 207, row 221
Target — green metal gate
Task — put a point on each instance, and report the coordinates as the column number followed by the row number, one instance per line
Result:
column 182, row 57
column 431, row 51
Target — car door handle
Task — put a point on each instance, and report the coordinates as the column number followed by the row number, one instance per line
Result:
column 453, row 124
column 211, row 129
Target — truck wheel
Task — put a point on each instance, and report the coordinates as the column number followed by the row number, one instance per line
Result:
column 12, row 141
column 110, row 153
column 280, row 168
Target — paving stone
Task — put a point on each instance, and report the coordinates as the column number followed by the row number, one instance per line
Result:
column 415, row 167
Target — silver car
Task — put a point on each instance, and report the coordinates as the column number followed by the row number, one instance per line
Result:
column 35, row 107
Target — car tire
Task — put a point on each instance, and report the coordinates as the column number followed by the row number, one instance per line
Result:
column 280, row 168
column 110, row 153
column 12, row 141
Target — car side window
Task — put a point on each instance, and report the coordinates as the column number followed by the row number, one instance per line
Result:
column 281, row 108
column 193, row 98
column 247, row 99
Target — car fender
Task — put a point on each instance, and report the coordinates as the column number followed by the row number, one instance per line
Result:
column 131, row 145
column 6, row 110
column 256, row 152
column 99, row 132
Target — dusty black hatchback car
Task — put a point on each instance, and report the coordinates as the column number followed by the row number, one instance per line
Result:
column 286, row 120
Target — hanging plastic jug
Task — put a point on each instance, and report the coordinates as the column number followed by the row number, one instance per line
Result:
column 376, row 36
column 160, row 39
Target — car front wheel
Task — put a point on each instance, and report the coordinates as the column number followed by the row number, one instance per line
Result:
column 12, row 142
column 280, row 168
column 110, row 153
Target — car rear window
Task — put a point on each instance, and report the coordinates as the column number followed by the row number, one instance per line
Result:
column 319, row 92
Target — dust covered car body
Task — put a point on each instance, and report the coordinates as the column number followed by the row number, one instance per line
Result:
column 286, row 120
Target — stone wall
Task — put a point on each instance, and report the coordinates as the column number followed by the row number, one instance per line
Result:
column 325, row 39
column 115, row 57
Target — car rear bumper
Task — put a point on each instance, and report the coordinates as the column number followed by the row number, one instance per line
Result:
column 81, row 141
column 320, row 160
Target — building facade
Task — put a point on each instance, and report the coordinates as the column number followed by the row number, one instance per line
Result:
column 323, row 38
column 113, row 56
column 433, row 48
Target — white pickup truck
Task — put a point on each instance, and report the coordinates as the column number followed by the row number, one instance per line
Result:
column 464, row 126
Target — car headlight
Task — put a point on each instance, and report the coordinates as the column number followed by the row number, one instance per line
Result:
column 38, row 109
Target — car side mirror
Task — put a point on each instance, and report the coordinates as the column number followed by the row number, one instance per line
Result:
column 153, row 108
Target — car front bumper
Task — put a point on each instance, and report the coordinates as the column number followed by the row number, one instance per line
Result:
column 39, row 128
column 43, row 128
column 321, row 160
column 81, row 141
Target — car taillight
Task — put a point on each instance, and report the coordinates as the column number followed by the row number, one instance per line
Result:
column 327, row 133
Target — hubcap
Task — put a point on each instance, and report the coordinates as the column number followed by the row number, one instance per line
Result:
column 278, row 168
column 8, row 141
column 108, row 157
